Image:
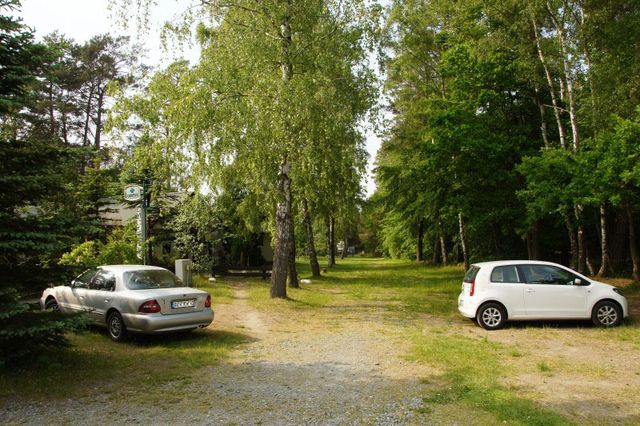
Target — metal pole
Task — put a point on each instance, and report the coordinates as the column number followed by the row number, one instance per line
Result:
column 143, row 224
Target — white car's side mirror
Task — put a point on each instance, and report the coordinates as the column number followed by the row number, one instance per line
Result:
column 577, row 281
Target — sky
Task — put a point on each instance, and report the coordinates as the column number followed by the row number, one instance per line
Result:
column 83, row 19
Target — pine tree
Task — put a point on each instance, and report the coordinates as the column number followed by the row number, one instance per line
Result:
column 32, row 177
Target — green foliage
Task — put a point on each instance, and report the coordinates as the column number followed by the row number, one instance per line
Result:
column 476, row 134
column 549, row 182
column 218, row 230
column 19, row 56
column 120, row 248
column 258, row 100
column 52, row 96
column 396, row 238
column 27, row 334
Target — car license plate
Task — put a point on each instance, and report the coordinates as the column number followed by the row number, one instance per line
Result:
column 177, row 304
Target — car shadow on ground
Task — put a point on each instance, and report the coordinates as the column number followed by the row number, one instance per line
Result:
column 563, row 324
column 180, row 338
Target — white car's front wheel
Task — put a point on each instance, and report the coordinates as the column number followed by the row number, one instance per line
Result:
column 606, row 314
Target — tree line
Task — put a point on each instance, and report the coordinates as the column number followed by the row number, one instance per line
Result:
column 55, row 170
column 515, row 132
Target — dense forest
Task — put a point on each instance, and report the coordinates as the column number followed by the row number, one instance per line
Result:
column 511, row 129
column 514, row 133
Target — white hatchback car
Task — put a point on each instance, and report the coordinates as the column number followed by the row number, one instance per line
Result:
column 494, row 292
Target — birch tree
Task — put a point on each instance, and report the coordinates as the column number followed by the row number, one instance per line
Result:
column 278, row 86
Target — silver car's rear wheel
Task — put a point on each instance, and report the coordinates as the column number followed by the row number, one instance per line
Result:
column 606, row 314
column 491, row 316
column 115, row 327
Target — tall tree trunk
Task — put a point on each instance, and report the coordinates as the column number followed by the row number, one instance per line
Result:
column 345, row 245
column 463, row 241
column 605, row 263
column 99, row 111
column 282, row 252
column 543, row 118
column 443, row 251
column 436, row 250
column 332, row 237
column 420, row 242
column 533, row 242
column 582, row 250
column 87, row 118
column 573, row 113
column 293, row 271
column 552, row 90
column 633, row 244
column 52, row 118
column 443, row 246
column 65, row 129
column 311, row 248
column 573, row 240
column 284, row 220
column 331, row 252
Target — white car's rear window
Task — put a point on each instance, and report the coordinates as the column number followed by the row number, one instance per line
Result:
column 504, row 274
column 148, row 279
column 471, row 274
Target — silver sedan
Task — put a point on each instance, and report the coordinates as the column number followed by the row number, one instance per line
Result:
column 132, row 298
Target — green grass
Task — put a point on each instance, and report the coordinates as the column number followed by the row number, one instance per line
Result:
column 398, row 285
column 95, row 361
column 220, row 290
column 471, row 373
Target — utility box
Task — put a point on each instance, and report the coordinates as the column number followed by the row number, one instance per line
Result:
column 183, row 271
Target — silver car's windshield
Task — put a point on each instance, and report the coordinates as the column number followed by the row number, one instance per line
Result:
column 148, row 279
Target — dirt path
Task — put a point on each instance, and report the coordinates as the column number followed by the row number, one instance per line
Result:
column 337, row 365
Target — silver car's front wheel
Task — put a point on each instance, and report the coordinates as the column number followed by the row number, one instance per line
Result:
column 52, row 305
column 115, row 327
column 491, row 316
column 606, row 314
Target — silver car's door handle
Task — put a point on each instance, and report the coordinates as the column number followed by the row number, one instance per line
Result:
column 107, row 300
column 530, row 290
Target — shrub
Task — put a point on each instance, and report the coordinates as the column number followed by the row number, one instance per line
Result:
column 120, row 248
column 26, row 334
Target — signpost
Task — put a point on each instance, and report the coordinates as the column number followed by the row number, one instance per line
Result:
column 134, row 193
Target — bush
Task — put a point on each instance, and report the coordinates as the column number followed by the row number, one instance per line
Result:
column 120, row 248
column 26, row 334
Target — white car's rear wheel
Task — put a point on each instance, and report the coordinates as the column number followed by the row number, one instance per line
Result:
column 491, row 316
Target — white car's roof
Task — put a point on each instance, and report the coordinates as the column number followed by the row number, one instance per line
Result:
column 127, row 268
column 512, row 262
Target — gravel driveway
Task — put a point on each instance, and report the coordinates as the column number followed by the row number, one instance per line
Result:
column 340, row 365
